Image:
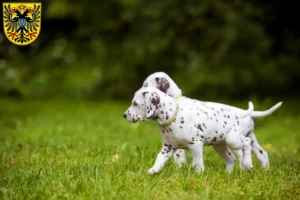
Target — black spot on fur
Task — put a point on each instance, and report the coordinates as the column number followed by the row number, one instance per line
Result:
column 261, row 151
column 144, row 93
column 199, row 127
column 214, row 139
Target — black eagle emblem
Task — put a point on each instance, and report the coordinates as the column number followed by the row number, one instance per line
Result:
column 22, row 23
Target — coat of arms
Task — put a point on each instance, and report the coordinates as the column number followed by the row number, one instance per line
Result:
column 22, row 22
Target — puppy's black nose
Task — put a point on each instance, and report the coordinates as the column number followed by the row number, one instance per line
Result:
column 125, row 115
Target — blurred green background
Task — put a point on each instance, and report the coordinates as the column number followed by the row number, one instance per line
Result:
column 62, row 98
column 105, row 49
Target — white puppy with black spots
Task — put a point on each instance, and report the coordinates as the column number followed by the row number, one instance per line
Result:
column 190, row 124
column 164, row 83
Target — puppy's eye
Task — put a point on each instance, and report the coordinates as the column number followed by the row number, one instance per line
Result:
column 134, row 104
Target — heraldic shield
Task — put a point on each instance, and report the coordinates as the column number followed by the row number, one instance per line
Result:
column 22, row 22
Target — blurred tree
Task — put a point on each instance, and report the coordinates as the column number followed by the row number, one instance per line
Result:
column 105, row 49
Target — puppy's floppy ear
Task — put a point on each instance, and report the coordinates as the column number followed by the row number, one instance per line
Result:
column 162, row 84
column 151, row 100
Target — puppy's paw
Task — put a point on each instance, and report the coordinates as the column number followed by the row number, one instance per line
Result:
column 152, row 171
column 199, row 169
column 229, row 169
column 180, row 163
column 266, row 165
column 247, row 164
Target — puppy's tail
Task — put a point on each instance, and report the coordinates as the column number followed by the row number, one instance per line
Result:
column 248, row 112
column 257, row 114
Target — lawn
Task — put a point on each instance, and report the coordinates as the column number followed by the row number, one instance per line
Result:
column 86, row 150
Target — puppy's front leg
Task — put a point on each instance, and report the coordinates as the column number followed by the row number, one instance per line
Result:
column 197, row 153
column 164, row 155
column 180, row 157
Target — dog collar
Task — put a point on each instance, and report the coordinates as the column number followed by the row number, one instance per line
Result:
column 168, row 123
column 178, row 97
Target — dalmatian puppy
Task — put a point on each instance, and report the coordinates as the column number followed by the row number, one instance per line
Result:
column 164, row 83
column 190, row 124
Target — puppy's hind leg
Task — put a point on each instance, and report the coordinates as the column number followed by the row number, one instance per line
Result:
column 180, row 157
column 239, row 153
column 238, row 142
column 259, row 152
column 228, row 157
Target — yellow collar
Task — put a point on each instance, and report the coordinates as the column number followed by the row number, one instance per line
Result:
column 168, row 123
column 178, row 97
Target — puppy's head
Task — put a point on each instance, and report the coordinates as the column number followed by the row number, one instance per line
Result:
column 144, row 105
column 163, row 82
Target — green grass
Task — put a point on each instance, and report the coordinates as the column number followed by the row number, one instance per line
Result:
column 86, row 150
